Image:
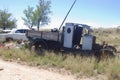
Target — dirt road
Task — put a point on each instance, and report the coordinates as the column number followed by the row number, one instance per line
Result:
column 14, row 71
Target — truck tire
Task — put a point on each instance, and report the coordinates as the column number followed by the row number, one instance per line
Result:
column 107, row 52
column 40, row 48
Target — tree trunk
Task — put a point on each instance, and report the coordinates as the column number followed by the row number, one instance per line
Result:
column 38, row 25
column 3, row 28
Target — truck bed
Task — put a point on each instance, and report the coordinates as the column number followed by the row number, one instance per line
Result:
column 47, row 35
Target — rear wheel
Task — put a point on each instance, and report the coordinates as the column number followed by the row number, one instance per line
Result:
column 40, row 48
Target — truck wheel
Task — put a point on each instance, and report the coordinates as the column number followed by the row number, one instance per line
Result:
column 40, row 48
column 107, row 53
column 112, row 49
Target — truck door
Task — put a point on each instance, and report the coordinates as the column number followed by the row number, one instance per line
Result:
column 68, row 35
column 77, row 35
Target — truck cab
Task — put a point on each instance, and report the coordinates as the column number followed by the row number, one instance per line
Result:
column 77, row 36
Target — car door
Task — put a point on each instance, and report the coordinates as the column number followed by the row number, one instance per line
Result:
column 20, row 34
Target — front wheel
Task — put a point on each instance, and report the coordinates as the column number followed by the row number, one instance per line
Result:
column 108, row 52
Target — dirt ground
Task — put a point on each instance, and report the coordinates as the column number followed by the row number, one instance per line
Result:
column 16, row 71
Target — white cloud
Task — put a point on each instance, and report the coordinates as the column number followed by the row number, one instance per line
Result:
column 20, row 23
column 56, row 22
column 115, row 25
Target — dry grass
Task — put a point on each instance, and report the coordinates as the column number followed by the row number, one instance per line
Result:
column 109, row 35
column 87, row 66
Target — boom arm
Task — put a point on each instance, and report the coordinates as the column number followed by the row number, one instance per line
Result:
column 67, row 14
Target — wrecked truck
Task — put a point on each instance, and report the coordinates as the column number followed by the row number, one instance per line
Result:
column 72, row 38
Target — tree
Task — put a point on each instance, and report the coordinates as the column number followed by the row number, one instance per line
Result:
column 42, row 12
column 39, row 16
column 5, row 20
column 29, row 19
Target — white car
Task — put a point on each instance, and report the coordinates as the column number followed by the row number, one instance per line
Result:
column 15, row 34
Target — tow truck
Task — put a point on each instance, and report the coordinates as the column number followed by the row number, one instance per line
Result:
column 72, row 37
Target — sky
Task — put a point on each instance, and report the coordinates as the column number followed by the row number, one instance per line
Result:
column 96, row 13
